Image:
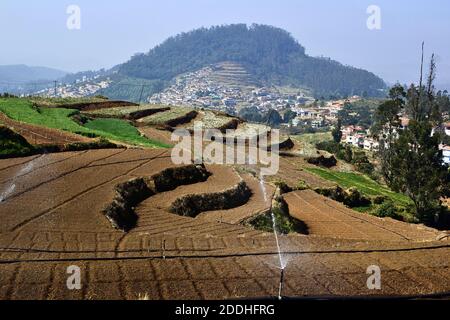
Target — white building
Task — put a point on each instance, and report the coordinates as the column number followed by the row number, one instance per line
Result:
column 445, row 153
column 371, row 144
column 317, row 123
column 355, row 140
column 447, row 128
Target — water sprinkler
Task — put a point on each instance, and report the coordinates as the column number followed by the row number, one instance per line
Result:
column 164, row 249
column 280, row 291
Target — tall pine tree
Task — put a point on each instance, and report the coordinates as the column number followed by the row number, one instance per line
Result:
column 410, row 157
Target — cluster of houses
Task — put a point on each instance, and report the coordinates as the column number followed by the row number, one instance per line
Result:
column 316, row 117
column 225, row 87
column 359, row 137
column 81, row 88
column 319, row 115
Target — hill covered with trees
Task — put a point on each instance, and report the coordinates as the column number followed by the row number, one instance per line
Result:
column 271, row 54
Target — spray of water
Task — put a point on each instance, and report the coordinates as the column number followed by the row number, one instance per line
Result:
column 23, row 171
column 283, row 262
column 7, row 192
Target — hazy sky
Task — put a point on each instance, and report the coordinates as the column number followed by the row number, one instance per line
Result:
column 35, row 32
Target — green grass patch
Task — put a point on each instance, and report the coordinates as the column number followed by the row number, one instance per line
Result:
column 56, row 118
column 60, row 118
column 364, row 184
column 119, row 130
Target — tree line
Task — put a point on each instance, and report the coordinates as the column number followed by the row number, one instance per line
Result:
column 411, row 161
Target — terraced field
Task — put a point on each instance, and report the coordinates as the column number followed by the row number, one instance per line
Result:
column 172, row 117
column 52, row 217
column 233, row 75
column 52, row 125
column 82, row 104
column 249, row 130
column 292, row 171
column 132, row 112
column 214, row 120
column 326, row 217
column 364, row 184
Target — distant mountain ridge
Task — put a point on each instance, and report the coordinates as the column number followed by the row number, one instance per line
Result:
column 271, row 54
column 22, row 73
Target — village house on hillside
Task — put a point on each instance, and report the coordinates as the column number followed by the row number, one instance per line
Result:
column 317, row 116
column 357, row 136
column 372, row 144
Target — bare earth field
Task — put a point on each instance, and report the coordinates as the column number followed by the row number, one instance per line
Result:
column 52, row 218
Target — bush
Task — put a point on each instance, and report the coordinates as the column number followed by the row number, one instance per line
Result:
column 346, row 153
column 285, row 224
column 336, row 194
column 351, row 198
column 366, row 168
column 362, row 163
column 354, row 198
column 302, row 185
column 379, row 199
column 323, row 161
column 388, row 210
column 444, row 219
column 283, row 186
column 330, row 146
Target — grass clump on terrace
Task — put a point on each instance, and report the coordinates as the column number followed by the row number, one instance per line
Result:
column 284, row 223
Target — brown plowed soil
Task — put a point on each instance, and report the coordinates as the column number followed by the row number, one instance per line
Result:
column 53, row 220
column 38, row 135
column 327, row 217
column 156, row 134
column 291, row 171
